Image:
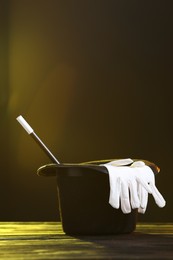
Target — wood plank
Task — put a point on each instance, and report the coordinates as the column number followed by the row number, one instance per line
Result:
column 46, row 240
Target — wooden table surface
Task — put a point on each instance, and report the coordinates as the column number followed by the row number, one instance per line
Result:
column 46, row 240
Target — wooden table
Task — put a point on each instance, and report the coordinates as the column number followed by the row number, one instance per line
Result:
column 46, row 240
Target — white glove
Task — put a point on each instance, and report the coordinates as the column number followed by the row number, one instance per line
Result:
column 146, row 184
column 119, row 186
column 136, row 180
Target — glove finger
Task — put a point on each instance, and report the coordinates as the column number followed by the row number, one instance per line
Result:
column 114, row 197
column 143, row 196
column 144, row 184
column 160, row 201
column 137, row 164
column 120, row 162
column 124, row 197
column 141, row 210
column 134, row 199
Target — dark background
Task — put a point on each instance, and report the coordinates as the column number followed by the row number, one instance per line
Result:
column 94, row 80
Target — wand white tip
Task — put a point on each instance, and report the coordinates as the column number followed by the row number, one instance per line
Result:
column 25, row 125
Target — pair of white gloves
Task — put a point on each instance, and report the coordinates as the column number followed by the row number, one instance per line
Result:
column 130, row 185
